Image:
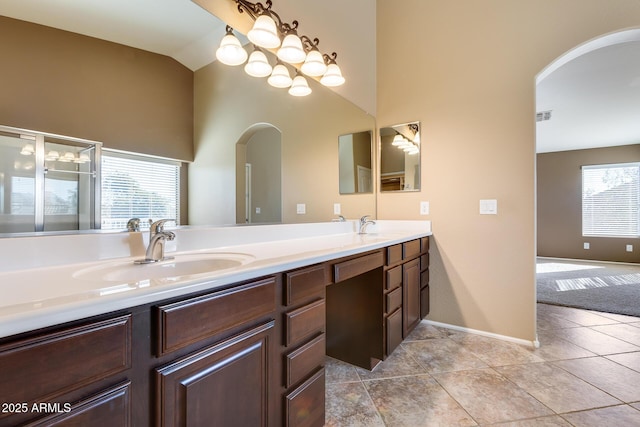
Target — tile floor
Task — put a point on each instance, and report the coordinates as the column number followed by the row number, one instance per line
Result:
column 585, row 373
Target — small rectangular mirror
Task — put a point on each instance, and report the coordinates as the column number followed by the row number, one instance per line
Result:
column 400, row 157
column 354, row 163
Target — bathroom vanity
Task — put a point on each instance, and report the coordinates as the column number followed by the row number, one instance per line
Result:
column 242, row 345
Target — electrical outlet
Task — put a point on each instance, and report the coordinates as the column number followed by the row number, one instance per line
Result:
column 301, row 209
column 257, row 210
column 424, row 208
column 585, row 245
column 629, row 248
column 488, row 207
column 336, row 208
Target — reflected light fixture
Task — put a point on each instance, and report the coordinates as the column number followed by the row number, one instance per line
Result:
column 258, row 65
column 270, row 32
column 231, row 51
column 299, row 87
column 264, row 32
column 280, row 76
column 27, row 150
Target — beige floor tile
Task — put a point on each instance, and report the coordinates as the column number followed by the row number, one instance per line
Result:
column 337, row 371
column 556, row 388
column 490, row 397
column 425, row 331
column 442, row 355
column 622, row 318
column 551, row 322
column 400, row 363
column 554, row 348
column 416, row 401
column 552, row 421
column 630, row 360
column 595, row 341
column 624, row 332
column 575, row 315
column 618, row 416
column 349, row 404
column 636, row 405
column 495, row 352
column 619, row 381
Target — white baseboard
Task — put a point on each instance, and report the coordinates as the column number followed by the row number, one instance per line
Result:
column 534, row 344
column 635, row 264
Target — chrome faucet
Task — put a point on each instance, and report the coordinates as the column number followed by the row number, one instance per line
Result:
column 157, row 239
column 364, row 221
column 133, row 224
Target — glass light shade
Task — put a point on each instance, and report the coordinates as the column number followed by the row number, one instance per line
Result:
column 398, row 140
column 291, row 50
column 84, row 158
column 280, row 76
column 231, row 51
column 413, row 151
column 258, row 65
column 314, row 64
column 333, row 76
column 299, row 87
column 27, row 150
column 264, row 33
column 52, row 155
column 67, row 157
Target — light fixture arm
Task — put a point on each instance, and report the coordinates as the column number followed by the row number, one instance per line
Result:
column 254, row 10
column 309, row 44
column 330, row 59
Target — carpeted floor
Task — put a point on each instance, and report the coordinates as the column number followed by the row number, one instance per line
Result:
column 612, row 288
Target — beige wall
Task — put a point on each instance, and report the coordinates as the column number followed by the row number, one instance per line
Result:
column 470, row 80
column 61, row 82
column 559, row 205
column 228, row 102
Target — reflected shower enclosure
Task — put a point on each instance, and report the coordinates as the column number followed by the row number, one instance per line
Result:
column 47, row 182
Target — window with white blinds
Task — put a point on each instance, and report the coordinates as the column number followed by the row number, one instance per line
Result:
column 611, row 200
column 138, row 187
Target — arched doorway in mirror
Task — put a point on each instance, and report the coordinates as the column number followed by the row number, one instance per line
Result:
column 259, row 176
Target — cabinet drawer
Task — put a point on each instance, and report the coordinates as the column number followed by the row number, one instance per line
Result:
column 43, row 368
column 424, row 278
column 304, row 322
column 112, row 407
column 305, row 405
column 424, row 262
column 186, row 322
column 394, row 278
column 304, row 360
column 394, row 254
column 304, row 284
column 410, row 249
column 355, row 267
column 424, row 244
column 393, row 300
column 394, row 330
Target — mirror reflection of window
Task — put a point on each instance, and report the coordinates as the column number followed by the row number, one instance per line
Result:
column 354, row 163
column 400, row 157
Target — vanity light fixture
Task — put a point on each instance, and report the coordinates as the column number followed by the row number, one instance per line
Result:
column 270, row 32
column 258, row 65
column 299, row 87
column 280, row 76
column 231, row 51
column 52, row 156
column 27, row 150
column 410, row 146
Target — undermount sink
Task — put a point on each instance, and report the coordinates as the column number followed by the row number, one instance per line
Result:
column 171, row 269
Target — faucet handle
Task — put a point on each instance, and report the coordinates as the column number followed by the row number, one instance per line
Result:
column 158, row 225
column 364, row 219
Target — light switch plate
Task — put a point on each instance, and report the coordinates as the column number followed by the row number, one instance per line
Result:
column 336, row 208
column 257, row 210
column 301, row 209
column 488, row 207
column 586, row 245
column 629, row 248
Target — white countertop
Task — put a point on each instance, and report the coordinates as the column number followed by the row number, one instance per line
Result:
column 55, row 279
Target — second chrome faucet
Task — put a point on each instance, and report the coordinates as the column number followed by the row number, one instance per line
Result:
column 364, row 222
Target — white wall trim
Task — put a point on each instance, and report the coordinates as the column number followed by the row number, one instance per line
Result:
column 534, row 344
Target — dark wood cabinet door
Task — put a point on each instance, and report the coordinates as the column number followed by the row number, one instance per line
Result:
column 226, row 384
column 410, row 296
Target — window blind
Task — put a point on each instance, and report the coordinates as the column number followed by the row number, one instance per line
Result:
column 610, row 200
column 138, row 187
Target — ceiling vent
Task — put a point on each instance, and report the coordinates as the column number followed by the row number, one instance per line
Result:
column 543, row 116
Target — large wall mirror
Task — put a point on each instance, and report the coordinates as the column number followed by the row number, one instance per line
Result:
column 354, row 163
column 400, row 157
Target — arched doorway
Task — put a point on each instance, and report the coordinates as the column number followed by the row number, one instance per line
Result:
column 258, row 175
